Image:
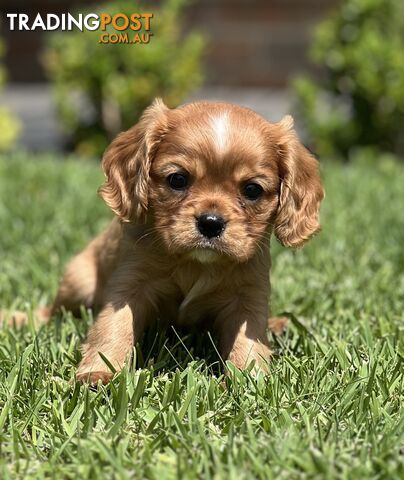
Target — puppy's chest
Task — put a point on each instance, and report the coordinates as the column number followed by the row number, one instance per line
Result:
column 198, row 292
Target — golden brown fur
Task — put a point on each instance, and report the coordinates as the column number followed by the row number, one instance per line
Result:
column 152, row 261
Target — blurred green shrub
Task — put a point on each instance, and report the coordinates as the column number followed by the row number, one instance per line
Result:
column 359, row 99
column 102, row 89
column 9, row 125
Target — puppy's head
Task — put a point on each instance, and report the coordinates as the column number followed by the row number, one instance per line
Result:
column 214, row 179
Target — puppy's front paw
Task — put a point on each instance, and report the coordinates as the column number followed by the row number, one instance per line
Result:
column 92, row 378
column 243, row 353
column 92, row 368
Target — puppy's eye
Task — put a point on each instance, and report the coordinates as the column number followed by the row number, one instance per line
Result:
column 178, row 181
column 252, row 191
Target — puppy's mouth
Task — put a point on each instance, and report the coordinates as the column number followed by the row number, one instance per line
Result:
column 204, row 255
column 207, row 250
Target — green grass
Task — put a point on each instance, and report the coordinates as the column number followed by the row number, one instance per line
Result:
column 330, row 407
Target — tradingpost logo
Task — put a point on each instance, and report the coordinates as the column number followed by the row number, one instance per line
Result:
column 133, row 28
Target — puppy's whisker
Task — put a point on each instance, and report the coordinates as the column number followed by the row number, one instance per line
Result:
column 151, row 231
column 263, row 243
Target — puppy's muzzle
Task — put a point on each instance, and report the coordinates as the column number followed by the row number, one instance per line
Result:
column 210, row 225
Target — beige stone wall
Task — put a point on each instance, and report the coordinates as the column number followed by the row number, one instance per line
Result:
column 257, row 42
column 251, row 42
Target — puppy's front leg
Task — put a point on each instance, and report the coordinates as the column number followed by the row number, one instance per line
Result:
column 116, row 329
column 243, row 336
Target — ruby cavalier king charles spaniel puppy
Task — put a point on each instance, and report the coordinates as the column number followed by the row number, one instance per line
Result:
column 197, row 192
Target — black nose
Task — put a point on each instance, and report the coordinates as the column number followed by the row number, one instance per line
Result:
column 210, row 225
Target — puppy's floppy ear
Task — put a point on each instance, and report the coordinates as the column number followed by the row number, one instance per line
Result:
column 301, row 190
column 126, row 164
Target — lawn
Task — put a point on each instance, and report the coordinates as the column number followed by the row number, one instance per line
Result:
column 330, row 407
